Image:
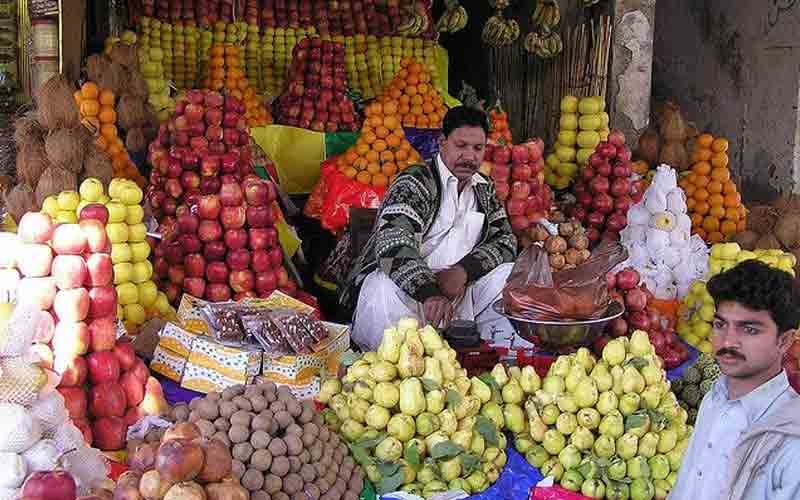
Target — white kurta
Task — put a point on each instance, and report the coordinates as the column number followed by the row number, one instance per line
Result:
column 455, row 232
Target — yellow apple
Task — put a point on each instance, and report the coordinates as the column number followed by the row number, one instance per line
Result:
column 91, row 189
column 50, row 206
column 127, row 293
column 116, row 212
column 139, row 251
column 68, row 200
column 162, row 302
column 117, row 232
column 66, row 217
column 135, row 314
column 123, row 273
column 135, row 214
column 148, row 294
column 115, row 186
column 120, row 311
column 121, row 252
column 142, row 271
column 137, row 232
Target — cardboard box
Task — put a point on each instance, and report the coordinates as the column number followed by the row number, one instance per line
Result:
column 239, row 363
column 177, row 339
column 205, row 380
column 168, row 363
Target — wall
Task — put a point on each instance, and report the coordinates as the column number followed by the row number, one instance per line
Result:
column 734, row 67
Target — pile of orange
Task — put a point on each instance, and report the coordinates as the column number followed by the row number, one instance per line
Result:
column 417, row 101
column 713, row 200
column 381, row 151
column 225, row 74
column 96, row 107
column 499, row 132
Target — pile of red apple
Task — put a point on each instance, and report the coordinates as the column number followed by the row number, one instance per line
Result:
column 518, row 174
column 315, row 96
column 225, row 246
column 348, row 17
column 204, row 12
column 626, row 287
column 605, row 190
column 67, row 271
column 206, row 138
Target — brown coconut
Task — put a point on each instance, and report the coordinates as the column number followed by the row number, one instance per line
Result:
column 53, row 181
column 125, row 55
column 66, row 148
column 27, row 130
column 56, row 104
column 674, row 154
column 787, row 204
column 648, row 146
column 96, row 66
column 767, row 242
column 31, row 163
column 787, row 230
column 97, row 164
column 672, row 125
column 20, row 200
column 747, row 239
column 138, row 86
column 131, row 112
column 762, row 218
column 135, row 140
column 116, row 78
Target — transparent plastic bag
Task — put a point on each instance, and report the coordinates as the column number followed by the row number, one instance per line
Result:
column 534, row 292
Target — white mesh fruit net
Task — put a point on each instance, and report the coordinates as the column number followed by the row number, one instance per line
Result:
column 68, row 437
column 20, row 330
column 87, row 466
column 21, row 381
column 42, row 456
column 21, row 430
column 50, row 411
column 9, row 493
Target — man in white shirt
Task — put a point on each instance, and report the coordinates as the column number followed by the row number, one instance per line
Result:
column 442, row 246
column 746, row 441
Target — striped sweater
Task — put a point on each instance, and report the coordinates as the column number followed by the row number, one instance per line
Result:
column 406, row 215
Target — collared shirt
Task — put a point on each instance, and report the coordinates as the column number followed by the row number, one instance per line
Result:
column 720, row 423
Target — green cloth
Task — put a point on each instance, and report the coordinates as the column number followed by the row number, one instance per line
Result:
column 338, row 142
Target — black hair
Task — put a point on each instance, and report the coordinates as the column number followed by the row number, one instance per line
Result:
column 759, row 287
column 464, row 116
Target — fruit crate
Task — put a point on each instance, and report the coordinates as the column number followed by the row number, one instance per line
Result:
column 480, row 359
column 540, row 361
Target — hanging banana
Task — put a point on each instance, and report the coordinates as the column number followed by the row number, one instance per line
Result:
column 544, row 44
column 454, row 18
column 415, row 20
column 546, row 15
column 499, row 31
column 499, row 4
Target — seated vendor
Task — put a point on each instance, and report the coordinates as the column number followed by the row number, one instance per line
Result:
column 441, row 247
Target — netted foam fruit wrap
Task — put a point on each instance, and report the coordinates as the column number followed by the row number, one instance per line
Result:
column 19, row 332
column 10, row 493
column 42, row 456
column 12, row 470
column 87, row 466
column 20, row 429
column 68, row 437
column 21, row 381
column 50, row 411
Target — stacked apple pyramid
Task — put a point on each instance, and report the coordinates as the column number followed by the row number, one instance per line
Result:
column 315, row 96
column 68, row 271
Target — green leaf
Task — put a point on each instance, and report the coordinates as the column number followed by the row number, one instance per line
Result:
column 635, row 420
column 390, row 483
column 454, row 398
column 469, row 463
column 348, row 358
column 446, row 449
column 487, row 429
column 370, row 442
column 361, row 456
column 487, row 379
column 637, row 363
column 430, row 385
column 387, row 468
column 412, row 455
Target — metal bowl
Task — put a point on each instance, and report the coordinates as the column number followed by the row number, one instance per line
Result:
column 557, row 335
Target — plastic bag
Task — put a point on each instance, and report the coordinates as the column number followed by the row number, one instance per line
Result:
column 534, row 292
column 313, row 207
column 343, row 193
column 555, row 493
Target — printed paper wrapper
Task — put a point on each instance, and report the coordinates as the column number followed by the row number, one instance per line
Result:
column 302, row 373
column 205, row 380
column 176, row 339
column 233, row 362
column 168, row 363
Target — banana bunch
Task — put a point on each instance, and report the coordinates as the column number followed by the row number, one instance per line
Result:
column 499, row 4
column 454, row 19
column 416, row 20
column 499, row 31
column 544, row 44
column 547, row 14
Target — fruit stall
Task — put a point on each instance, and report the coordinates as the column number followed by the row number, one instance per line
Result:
column 178, row 211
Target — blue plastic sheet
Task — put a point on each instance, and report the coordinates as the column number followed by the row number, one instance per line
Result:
column 425, row 141
column 677, row 372
column 516, row 480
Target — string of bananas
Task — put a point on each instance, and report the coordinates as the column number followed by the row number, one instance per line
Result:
column 547, row 14
column 544, row 44
column 500, row 4
column 454, row 19
column 499, row 31
column 415, row 20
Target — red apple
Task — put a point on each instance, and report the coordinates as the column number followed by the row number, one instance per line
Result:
column 218, row 292
column 217, row 272
column 260, row 261
column 214, row 251
column 71, row 305
column 75, row 401
column 209, row 230
column 231, row 195
column 134, row 389
column 95, row 233
column 235, row 239
column 238, row 260
column 190, row 243
column 140, row 370
column 34, row 260
column 51, row 485
column 176, row 275
column 262, row 238
column 110, row 433
column 233, row 217
column 69, row 271
column 68, row 239
column 103, row 333
column 209, row 207
column 40, row 292
column 194, row 286
column 125, row 354
column 35, row 227
column 266, row 281
column 275, row 256
column 259, row 192
column 194, row 265
column 73, row 370
column 102, row 301
column 94, row 211
column 259, row 216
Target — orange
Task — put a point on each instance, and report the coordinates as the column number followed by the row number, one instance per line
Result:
column 701, row 208
column 375, row 122
column 90, row 107
column 404, row 109
column 349, row 157
column 379, row 145
column 414, row 67
column 721, row 174
column 742, row 211
column 701, row 154
column 360, row 163
column 700, row 194
column 380, row 180
column 369, row 137
column 423, row 121
column 702, row 181
column 402, row 165
column 109, row 131
column 427, row 108
column 77, row 96
column 728, row 187
column 101, row 142
column 710, row 224
column 715, row 237
column 692, row 178
column 389, row 169
column 714, row 187
column 387, row 156
column 732, row 214
column 697, row 220
column 90, row 90
column 690, row 203
column 375, row 109
column 372, row 156
column 424, row 78
column 702, row 168
column 382, row 132
column 717, row 211
column 401, row 154
column 373, row 168
column 705, row 140
column 732, row 200
column 728, row 228
column 107, row 114
column 417, row 100
column 217, row 62
column 719, row 160
column 411, row 90
column 91, row 123
column 684, row 183
column 217, row 51
column 416, row 110
column 699, row 231
column 719, row 145
column 412, row 79
column 364, row 177
column 114, row 149
column 391, row 122
column 716, row 200
column 350, row 172
column 362, row 149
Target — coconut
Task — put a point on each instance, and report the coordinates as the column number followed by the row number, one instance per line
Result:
column 138, row 86
column 762, row 218
column 53, row 181
column 787, row 204
column 66, row 148
column 135, row 140
column 115, row 78
column 96, row 66
column 787, row 230
column 673, row 126
column 56, row 104
column 648, row 146
column 20, row 200
column 767, row 242
column 125, row 55
column 96, row 164
column 27, row 130
column 747, row 239
column 31, row 163
column 674, row 154
column 131, row 112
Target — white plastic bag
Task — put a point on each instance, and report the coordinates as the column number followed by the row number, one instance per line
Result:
column 665, row 178
column 633, row 233
column 655, row 199
column 676, row 201
column 12, row 470
column 657, row 241
column 638, row 215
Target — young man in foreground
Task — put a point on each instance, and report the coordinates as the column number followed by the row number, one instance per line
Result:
column 746, row 441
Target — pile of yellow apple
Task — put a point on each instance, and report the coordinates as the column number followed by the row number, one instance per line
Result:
column 156, row 62
column 726, row 255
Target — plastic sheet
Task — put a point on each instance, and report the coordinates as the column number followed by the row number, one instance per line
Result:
column 515, row 482
column 343, row 193
column 425, row 141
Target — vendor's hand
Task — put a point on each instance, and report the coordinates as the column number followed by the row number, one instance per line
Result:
column 438, row 311
column 452, row 282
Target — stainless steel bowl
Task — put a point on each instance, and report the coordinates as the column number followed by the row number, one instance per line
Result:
column 557, row 335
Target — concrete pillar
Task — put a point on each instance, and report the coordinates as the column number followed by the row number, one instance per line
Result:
column 630, row 73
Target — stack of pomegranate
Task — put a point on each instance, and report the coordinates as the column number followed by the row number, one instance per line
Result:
column 640, row 314
column 605, row 190
column 225, row 245
column 207, row 136
column 67, row 270
column 518, row 174
column 315, row 96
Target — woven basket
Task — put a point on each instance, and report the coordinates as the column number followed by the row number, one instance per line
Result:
column 42, row 8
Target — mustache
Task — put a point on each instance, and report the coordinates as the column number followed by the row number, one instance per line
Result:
column 466, row 164
column 730, row 352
